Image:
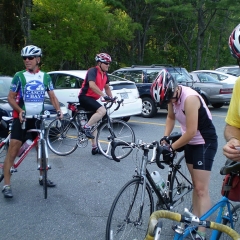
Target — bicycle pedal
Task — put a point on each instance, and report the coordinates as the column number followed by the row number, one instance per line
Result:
column 49, row 167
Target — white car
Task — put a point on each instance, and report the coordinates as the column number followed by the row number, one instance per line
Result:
column 220, row 76
column 67, row 85
column 232, row 69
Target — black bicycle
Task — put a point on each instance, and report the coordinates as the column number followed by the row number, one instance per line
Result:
column 66, row 135
column 133, row 205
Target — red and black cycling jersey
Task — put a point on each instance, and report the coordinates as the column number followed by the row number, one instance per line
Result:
column 100, row 79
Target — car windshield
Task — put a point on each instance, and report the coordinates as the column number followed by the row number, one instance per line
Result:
column 5, row 83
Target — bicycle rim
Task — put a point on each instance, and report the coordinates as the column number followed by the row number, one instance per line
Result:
column 122, row 132
column 62, row 136
column 236, row 223
column 123, row 220
column 181, row 187
column 44, row 169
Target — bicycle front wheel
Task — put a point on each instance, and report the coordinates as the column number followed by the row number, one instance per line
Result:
column 44, row 168
column 3, row 153
column 62, row 136
column 118, row 131
column 129, row 215
column 236, row 223
column 181, row 187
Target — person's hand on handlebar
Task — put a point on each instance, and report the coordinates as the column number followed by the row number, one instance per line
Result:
column 59, row 114
column 164, row 141
column 110, row 99
column 168, row 153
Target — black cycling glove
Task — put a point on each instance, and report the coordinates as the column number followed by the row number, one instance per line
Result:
column 165, row 138
column 168, row 153
column 107, row 98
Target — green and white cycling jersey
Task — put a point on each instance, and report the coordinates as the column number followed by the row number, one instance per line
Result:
column 30, row 89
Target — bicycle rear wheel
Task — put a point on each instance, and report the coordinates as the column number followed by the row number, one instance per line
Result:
column 236, row 223
column 127, row 220
column 119, row 131
column 62, row 136
column 44, row 168
column 181, row 187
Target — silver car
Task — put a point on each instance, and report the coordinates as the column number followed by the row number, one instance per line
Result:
column 214, row 92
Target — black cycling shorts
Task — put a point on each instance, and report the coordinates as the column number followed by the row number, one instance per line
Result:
column 21, row 134
column 201, row 156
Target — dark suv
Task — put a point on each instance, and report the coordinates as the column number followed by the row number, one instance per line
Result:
column 143, row 76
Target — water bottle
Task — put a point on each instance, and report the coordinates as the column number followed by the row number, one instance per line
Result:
column 24, row 147
column 159, row 181
column 83, row 120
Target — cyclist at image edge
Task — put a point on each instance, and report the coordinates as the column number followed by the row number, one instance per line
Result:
column 23, row 99
column 199, row 139
column 232, row 129
column 92, row 89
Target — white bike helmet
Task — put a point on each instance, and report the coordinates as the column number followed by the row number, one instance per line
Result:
column 234, row 42
column 31, row 50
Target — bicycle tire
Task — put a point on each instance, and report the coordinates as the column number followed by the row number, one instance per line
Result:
column 62, row 136
column 122, row 132
column 236, row 216
column 122, row 220
column 44, row 168
column 181, row 187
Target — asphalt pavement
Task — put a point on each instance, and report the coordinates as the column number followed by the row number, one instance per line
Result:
column 78, row 207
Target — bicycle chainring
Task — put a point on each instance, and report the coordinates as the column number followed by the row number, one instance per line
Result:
column 82, row 140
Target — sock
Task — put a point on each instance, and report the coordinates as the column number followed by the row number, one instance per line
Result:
column 94, row 146
column 201, row 235
column 87, row 126
column 40, row 177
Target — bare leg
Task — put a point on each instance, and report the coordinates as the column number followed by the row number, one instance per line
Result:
column 97, row 116
column 9, row 160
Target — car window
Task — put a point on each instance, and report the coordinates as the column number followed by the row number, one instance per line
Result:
column 113, row 78
column 4, row 86
column 64, row 81
column 206, row 78
column 152, row 74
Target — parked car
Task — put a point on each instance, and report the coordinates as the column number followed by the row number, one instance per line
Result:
column 143, row 76
column 214, row 92
column 67, row 85
column 6, row 109
column 220, row 76
column 233, row 70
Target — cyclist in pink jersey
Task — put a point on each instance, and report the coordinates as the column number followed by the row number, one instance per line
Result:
column 199, row 138
column 232, row 129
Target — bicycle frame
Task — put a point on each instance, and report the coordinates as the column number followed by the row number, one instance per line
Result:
column 221, row 205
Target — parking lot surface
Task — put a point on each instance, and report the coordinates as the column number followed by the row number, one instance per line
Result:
column 86, row 187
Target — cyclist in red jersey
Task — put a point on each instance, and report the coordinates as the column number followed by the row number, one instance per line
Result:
column 95, row 82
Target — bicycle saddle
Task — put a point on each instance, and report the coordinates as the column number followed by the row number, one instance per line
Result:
column 230, row 166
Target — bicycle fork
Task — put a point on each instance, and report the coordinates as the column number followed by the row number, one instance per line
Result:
column 39, row 157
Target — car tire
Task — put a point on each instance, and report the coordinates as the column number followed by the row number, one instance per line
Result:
column 149, row 108
column 217, row 105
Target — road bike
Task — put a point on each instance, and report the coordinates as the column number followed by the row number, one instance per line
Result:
column 223, row 211
column 133, row 205
column 66, row 135
column 157, row 219
column 43, row 164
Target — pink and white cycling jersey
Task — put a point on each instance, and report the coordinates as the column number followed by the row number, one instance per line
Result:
column 206, row 130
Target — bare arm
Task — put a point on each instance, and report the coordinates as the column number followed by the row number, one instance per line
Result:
column 108, row 90
column 170, row 121
column 232, row 136
column 12, row 101
column 191, row 106
column 95, row 88
column 55, row 102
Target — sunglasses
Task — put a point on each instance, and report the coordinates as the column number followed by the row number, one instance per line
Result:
column 106, row 63
column 28, row 57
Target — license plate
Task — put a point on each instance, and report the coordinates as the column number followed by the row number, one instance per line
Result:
column 124, row 95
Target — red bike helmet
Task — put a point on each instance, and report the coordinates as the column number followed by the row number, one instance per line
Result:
column 103, row 57
column 234, row 42
column 163, row 87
